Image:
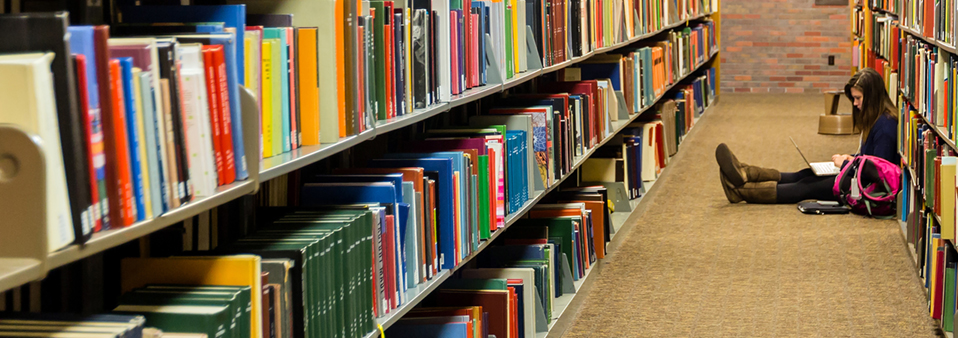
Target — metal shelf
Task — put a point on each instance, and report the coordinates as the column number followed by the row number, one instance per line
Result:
column 948, row 48
column 107, row 239
column 289, row 161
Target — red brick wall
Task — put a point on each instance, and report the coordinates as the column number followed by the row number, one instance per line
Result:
column 782, row 46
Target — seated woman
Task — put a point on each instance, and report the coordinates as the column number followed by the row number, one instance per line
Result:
column 873, row 113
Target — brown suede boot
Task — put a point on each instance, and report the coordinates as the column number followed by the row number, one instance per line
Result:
column 738, row 173
column 756, row 192
column 729, row 190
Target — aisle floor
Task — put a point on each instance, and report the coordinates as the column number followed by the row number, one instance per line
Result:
column 696, row 266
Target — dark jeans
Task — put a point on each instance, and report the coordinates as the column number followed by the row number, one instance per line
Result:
column 804, row 185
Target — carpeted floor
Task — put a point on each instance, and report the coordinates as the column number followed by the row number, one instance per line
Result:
column 697, row 266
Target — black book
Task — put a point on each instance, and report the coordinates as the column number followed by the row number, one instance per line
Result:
column 48, row 32
column 400, row 60
column 433, row 64
column 169, row 72
column 419, row 58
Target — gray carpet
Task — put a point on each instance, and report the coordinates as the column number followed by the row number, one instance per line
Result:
column 696, row 266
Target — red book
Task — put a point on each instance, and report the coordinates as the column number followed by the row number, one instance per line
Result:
column 295, row 132
column 513, row 312
column 388, row 40
column 939, row 277
column 389, row 264
column 226, row 122
column 79, row 66
column 928, row 29
column 212, row 93
column 120, row 140
column 105, row 92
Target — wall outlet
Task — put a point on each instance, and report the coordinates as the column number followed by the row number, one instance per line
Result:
column 831, row 60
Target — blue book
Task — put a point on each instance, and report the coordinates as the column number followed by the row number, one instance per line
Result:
column 445, row 196
column 280, row 33
column 134, row 138
column 81, row 42
column 232, row 16
column 154, row 162
column 458, row 165
column 606, row 70
column 234, row 77
column 396, row 179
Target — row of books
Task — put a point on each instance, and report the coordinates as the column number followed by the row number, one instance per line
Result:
column 644, row 148
column 512, row 290
column 891, row 6
column 24, row 324
column 932, row 19
column 145, row 124
column 927, row 82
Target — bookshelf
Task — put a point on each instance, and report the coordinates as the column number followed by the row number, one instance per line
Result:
column 16, row 270
column 919, row 219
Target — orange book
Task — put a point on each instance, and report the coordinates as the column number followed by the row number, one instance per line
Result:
column 212, row 93
column 598, row 225
column 341, row 65
column 122, row 156
column 308, row 86
column 225, row 119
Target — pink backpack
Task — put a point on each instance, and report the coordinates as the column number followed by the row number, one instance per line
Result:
column 869, row 185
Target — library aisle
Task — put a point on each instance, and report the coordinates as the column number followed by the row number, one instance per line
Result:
column 697, row 266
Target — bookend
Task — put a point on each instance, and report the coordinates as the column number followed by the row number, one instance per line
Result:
column 542, row 324
column 251, row 120
column 565, row 276
column 493, row 72
column 624, row 112
column 533, row 60
column 23, row 246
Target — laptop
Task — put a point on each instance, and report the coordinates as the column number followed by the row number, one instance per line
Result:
column 819, row 168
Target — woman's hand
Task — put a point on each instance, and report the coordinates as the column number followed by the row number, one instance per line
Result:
column 839, row 159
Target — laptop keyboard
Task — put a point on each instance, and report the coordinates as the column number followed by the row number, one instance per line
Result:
column 825, row 168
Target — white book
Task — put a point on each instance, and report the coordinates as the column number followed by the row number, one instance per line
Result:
column 443, row 50
column 196, row 119
column 26, row 90
column 328, row 86
column 141, row 145
column 520, row 11
column 148, row 107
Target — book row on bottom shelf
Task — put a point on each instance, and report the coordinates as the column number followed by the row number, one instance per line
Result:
column 484, row 220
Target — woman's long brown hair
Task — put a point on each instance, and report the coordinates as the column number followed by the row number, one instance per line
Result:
column 875, row 100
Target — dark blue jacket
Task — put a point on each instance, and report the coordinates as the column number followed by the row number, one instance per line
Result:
column 882, row 141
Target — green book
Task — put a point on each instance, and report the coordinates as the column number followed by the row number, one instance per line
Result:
column 948, row 313
column 475, row 284
column 484, row 207
column 510, row 70
column 210, row 320
column 204, row 298
column 243, row 296
column 378, row 49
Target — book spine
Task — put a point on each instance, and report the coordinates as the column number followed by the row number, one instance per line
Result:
column 126, row 94
column 232, row 170
column 123, row 167
column 215, row 111
column 88, row 114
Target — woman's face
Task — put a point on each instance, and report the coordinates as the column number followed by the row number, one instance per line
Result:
column 857, row 98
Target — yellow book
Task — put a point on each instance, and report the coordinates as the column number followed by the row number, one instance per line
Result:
column 515, row 34
column 947, row 189
column 141, row 148
column 267, row 118
column 238, row 270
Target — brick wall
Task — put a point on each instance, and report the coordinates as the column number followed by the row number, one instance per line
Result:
column 782, row 46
